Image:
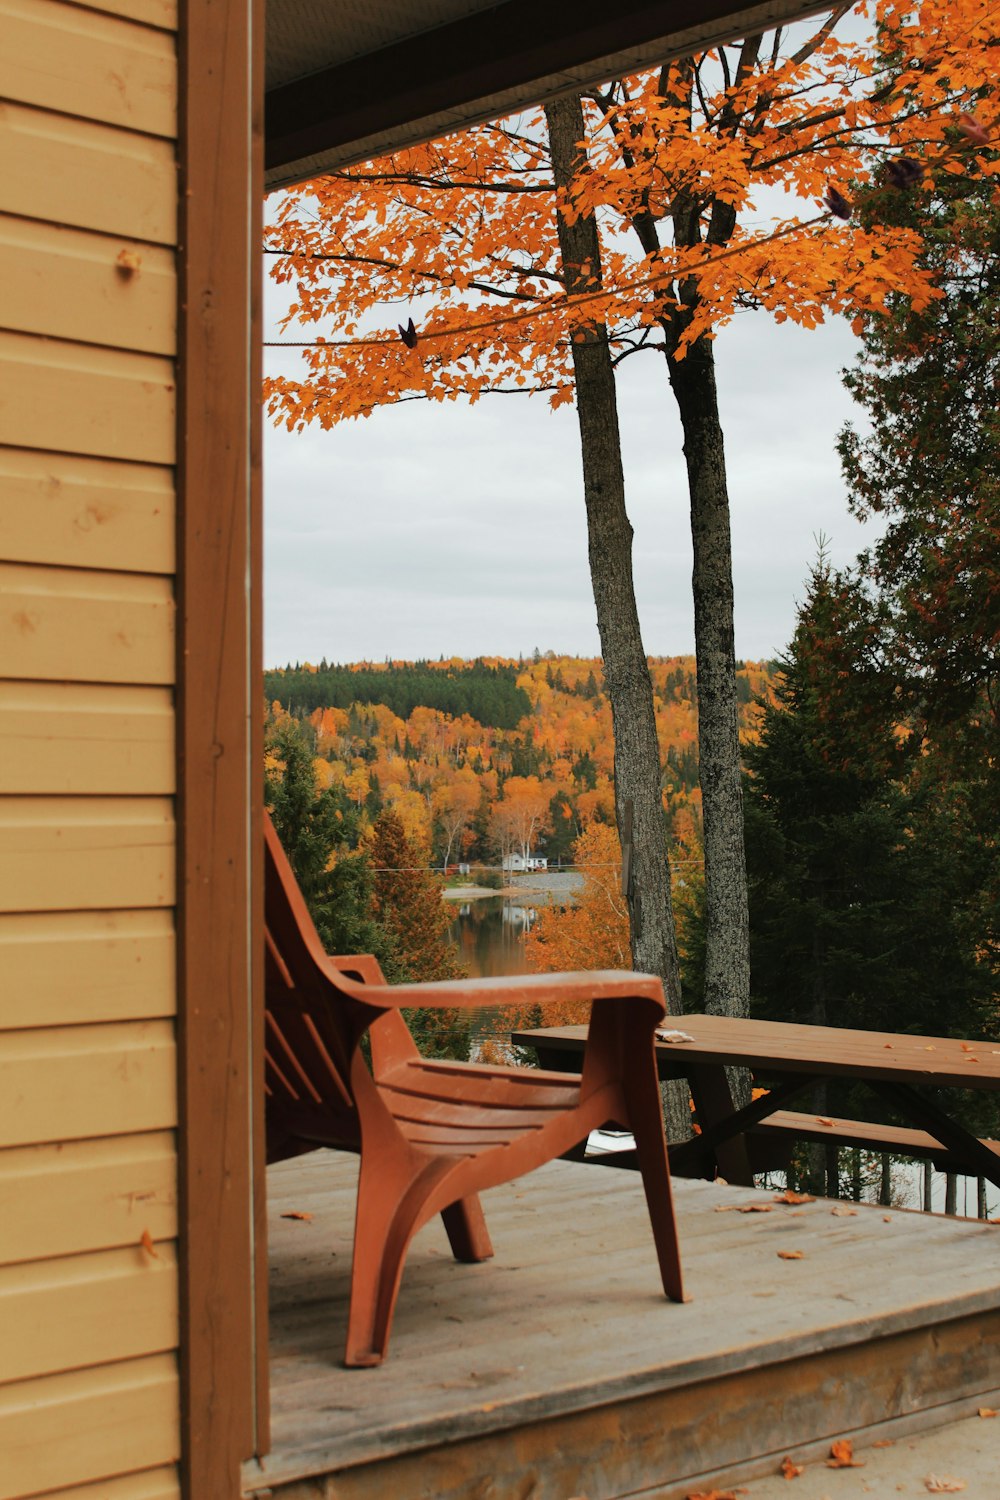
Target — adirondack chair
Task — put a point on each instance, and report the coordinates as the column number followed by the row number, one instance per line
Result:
column 432, row 1135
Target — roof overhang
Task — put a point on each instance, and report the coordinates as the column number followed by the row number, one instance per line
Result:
column 348, row 81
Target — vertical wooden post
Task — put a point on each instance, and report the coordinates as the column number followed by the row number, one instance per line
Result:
column 219, row 821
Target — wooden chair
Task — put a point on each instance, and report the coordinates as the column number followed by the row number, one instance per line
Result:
column 432, row 1134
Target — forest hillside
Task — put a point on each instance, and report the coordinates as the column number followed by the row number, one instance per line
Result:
column 487, row 758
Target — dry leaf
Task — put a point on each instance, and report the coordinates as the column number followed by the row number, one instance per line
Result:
column 943, row 1484
column 725, row 1208
column 714, row 1494
column 791, row 1255
column 887, row 1218
column 755, row 1208
column 885, row 1443
column 790, row 1469
column 822, row 1120
column 842, row 1212
column 296, row 1214
column 842, row 1456
column 128, row 262
column 789, row 1196
column 987, row 1411
column 146, row 1241
column 667, row 1034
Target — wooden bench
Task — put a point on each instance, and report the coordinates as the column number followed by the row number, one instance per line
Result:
column 901, row 1140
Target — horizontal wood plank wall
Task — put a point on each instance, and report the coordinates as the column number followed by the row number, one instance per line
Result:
column 89, row 1374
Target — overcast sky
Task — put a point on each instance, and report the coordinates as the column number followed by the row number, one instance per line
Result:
column 429, row 530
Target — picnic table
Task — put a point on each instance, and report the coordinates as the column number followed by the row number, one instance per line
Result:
column 791, row 1058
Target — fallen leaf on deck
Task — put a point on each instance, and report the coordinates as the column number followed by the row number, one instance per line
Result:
column 128, row 262
column 791, row 1255
column 887, row 1218
column 726, row 1208
column 842, row 1456
column 844, row 1213
column 987, row 1411
column 146, row 1241
column 943, row 1484
column 790, row 1196
column 666, row 1034
column 296, row 1214
column 714, row 1494
column 822, row 1120
column 887, row 1046
column 790, row 1469
column 755, row 1208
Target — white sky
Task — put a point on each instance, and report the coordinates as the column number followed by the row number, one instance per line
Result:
column 431, row 530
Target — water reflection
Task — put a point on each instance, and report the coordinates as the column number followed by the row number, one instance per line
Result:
column 488, row 934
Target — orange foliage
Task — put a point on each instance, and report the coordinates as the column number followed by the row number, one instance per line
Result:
column 470, row 221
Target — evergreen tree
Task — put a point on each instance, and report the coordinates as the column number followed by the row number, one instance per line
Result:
column 317, row 831
column 408, row 904
column 859, row 888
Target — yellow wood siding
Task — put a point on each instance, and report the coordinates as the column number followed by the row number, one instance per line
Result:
column 82, row 63
column 85, row 512
column 73, row 285
column 123, row 965
column 87, row 1195
column 68, row 737
column 84, row 1425
column 68, row 171
column 86, row 399
column 89, row 1401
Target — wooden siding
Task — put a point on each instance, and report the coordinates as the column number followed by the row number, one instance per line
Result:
column 89, row 1384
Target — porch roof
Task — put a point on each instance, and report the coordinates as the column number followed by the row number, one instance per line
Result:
column 350, row 80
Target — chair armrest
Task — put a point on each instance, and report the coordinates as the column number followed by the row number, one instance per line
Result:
column 518, row 989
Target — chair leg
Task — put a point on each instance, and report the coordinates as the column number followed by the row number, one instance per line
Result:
column 467, row 1233
column 386, row 1219
column 643, row 1096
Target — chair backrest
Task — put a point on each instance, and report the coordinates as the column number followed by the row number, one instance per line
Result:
column 311, row 1029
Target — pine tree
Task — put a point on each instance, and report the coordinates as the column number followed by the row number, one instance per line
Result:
column 408, row 904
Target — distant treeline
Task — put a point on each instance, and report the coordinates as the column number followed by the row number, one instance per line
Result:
column 489, row 694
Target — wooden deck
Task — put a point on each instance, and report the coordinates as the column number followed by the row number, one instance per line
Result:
column 558, row 1369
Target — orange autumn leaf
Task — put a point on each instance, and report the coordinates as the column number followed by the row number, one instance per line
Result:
column 146, row 1241
column 790, row 1469
column 843, row 1212
column 755, row 1208
column 842, row 1456
column 790, row 1196
column 791, row 1254
column 987, row 1411
column 943, row 1484
column 296, row 1214
column 823, row 1120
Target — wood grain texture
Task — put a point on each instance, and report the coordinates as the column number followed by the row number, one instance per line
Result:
column 87, row 1195
column 78, row 398
column 88, row 1425
column 557, row 1370
column 79, row 62
column 91, row 176
column 73, row 967
column 159, row 13
column 86, row 512
column 217, row 701
column 66, row 854
column 70, row 624
column 84, row 1310
column 70, row 738
column 71, row 285
column 116, row 1079
column 152, row 1484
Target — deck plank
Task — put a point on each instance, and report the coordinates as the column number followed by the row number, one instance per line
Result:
column 569, row 1316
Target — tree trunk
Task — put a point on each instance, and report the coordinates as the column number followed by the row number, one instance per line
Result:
column 727, row 924
column 626, row 670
